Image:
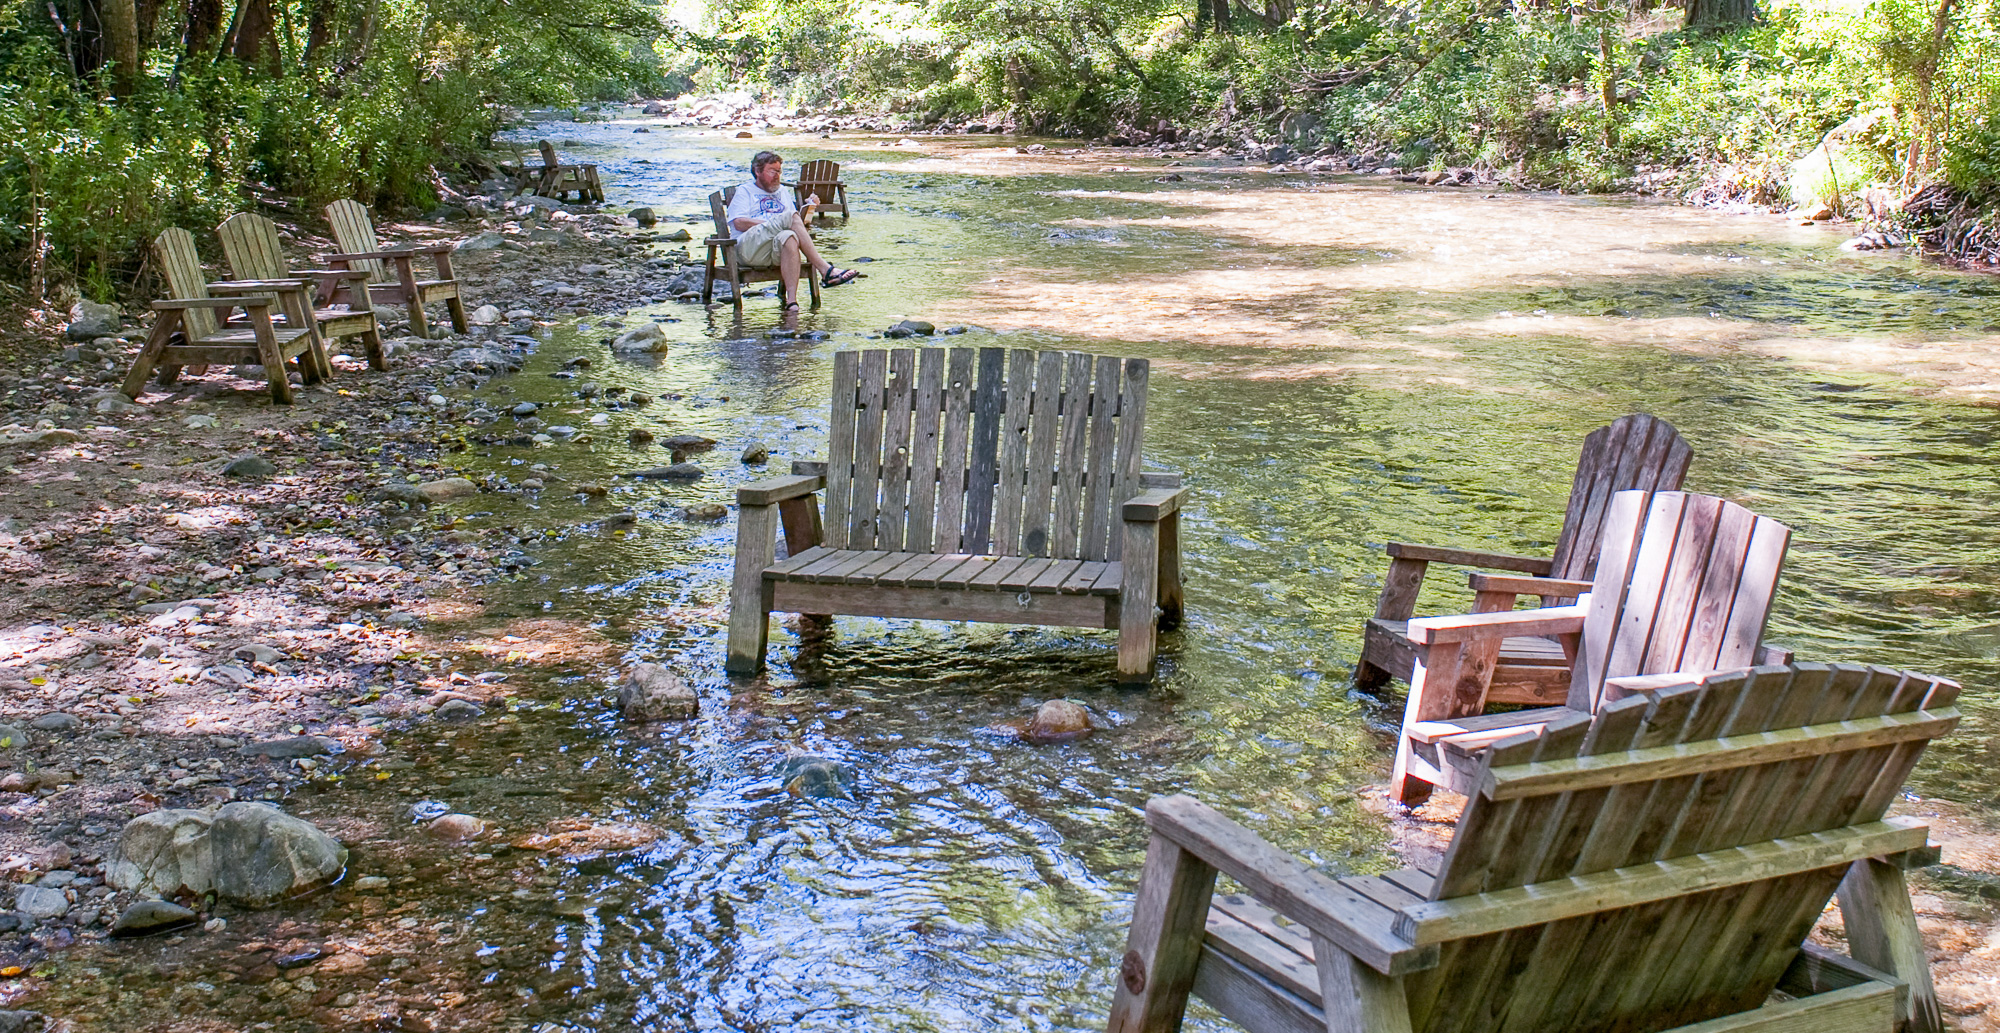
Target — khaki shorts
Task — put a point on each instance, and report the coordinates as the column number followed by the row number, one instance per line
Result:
column 758, row 246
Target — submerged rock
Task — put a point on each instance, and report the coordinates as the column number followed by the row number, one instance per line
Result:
column 152, row 916
column 650, row 692
column 645, row 338
column 822, row 778
column 676, row 472
column 755, row 454
column 1057, row 720
column 456, row 828
column 289, row 749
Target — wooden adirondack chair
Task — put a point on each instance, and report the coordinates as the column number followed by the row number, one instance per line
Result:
column 251, row 247
column 188, row 332
column 1684, row 583
column 555, row 179
column 1655, row 868
column 1635, row 452
column 722, row 248
column 354, row 232
column 963, row 485
column 822, row 178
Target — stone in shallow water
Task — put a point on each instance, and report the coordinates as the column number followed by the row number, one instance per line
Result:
column 456, row 828
column 163, row 854
column 152, row 916
column 288, row 749
column 650, row 692
column 819, row 777
column 1058, row 720
column 457, row 710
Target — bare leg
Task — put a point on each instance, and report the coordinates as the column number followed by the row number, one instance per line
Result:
column 820, row 265
column 788, row 269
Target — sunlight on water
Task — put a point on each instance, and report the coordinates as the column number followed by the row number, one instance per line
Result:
column 1339, row 363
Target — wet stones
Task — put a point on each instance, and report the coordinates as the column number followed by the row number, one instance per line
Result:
column 676, row 472
column 1057, row 720
column 148, row 917
column 705, row 513
column 484, row 315
column 650, row 692
column 820, row 778
column 640, row 436
column 457, row 711
column 647, row 338
column 524, row 410
column 448, row 488
column 20, row 1021
column 910, row 328
column 455, row 828
column 290, row 749
column 645, row 217
column 688, row 443
column 755, row 454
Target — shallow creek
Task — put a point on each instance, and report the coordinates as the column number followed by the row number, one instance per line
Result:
column 1339, row 362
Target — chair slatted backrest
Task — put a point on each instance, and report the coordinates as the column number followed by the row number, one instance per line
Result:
column 1637, row 452
column 818, row 173
column 1684, row 582
column 548, row 150
column 251, row 247
column 180, row 264
column 718, row 207
column 354, row 234
column 1587, row 810
column 986, row 451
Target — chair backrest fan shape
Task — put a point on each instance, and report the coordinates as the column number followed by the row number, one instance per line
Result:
column 986, row 451
column 1684, row 582
column 1636, row 452
column 354, row 233
column 251, row 246
column 180, row 264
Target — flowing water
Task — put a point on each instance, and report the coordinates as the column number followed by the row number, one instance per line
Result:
column 1338, row 363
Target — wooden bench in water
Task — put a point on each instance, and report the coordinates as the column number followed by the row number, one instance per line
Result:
column 979, row 485
column 1654, row 868
column 1684, row 583
column 821, row 178
column 392, row 275
column 554, row 178
column 251, row 246
column 1637, row 452
column 722, row 252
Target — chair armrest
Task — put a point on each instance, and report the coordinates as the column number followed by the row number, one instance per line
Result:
column 1471, row 558
column 1562, row 588
column 1358, row 925
column 776, row 489
column 359, row 256
column 1770, row 654
column 1154, row 504
column 1548, row 620
column 249, row 301
column 251, row 286
column 332, row 274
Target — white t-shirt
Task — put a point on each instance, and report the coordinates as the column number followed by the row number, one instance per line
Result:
column 749, row 202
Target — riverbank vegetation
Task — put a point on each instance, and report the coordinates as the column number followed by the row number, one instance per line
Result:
column 1810, row 102
column 120, row 117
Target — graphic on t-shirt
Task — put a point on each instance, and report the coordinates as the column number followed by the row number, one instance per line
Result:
column 769, row 204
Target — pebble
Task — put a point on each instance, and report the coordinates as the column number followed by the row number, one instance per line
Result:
column 755, row 454
column 12, row 738
column 458, row 710
column 41, row 902
column 56, row 721
column 448, row 488
column 524, row 409
column 371, row 883
column 676, row 472
column 456, row 827
column 290, row 749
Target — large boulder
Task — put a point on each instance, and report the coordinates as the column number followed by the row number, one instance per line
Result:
column 163, row 854
column 263, row 855
column 644, row 338
column 89, row 320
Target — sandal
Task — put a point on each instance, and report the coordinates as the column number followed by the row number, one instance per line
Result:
column 836, row 277
column 791, row 306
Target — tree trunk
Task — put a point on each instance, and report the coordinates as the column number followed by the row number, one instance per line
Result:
column 254, row 43
column 83, row 35
column 320, row 15
column 204, row 30
column 1720, row 14
column 121, row 44
column 1220, row 14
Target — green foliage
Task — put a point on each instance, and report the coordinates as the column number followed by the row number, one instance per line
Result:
column 396, row 89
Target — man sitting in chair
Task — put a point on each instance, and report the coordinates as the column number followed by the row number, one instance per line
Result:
column 769, row 231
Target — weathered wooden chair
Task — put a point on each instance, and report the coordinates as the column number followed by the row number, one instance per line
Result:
column 340, row 307
column 556, row 179
column 963, row 485
column 1656, row 867
column 821, row 177
column 1635, row 452
column 1684, row 583
column 188, row 332
column 354, row 233
column 722, row 250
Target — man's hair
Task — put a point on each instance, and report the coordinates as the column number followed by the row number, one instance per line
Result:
column 762, row 159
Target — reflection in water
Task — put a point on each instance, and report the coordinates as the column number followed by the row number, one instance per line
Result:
column 1339, row 364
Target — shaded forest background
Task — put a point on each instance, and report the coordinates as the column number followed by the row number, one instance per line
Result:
column 119, row 117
